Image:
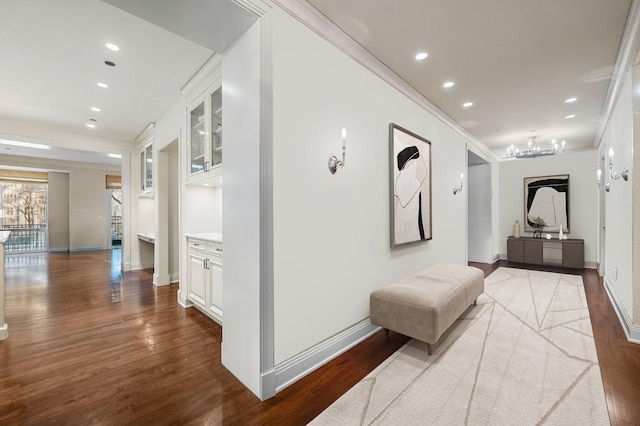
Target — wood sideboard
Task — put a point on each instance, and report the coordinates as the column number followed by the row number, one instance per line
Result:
column 540, row 251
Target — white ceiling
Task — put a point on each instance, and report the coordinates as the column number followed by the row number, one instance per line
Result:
column 53, row 55
column 516, row 60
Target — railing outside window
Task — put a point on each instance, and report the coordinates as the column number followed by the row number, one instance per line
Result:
column 116, row 230
column 25, row 238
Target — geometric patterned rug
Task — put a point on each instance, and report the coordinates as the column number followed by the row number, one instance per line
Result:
column 524, row 355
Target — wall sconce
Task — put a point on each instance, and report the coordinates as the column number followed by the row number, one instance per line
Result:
column 458, row 188
column 334, row 163
column 624, row 173
column 599, row 176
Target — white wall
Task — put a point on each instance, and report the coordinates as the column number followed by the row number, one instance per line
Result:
column 479, row 193
column 331, row 232
column 241, row 97
column 619, row 206
column 204, row 212
column 583, row 194
column 86, row 199
column 87, row 211
column 58, row 194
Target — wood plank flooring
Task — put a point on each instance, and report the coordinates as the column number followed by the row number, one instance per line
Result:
column 89, row 345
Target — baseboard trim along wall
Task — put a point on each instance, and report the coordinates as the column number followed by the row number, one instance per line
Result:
column 630, row 330
column 58, row 249
column 182, row 299
column 77, row 249
column 315, row 357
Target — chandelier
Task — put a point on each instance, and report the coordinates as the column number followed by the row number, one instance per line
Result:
column 534, row 150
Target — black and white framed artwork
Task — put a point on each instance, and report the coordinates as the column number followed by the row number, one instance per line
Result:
column 410, row 186
column 546, row 198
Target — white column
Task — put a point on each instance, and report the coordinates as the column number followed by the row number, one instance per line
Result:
column 4, row 329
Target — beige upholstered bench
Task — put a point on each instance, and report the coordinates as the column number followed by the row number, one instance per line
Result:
column 424, row 305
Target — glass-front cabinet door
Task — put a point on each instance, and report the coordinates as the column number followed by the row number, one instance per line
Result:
column 148, row 175
column 216, row 127
column 197, row 138
column 146, row 169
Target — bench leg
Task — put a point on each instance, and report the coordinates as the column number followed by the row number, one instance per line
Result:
column 386, row 333
column 429, row 348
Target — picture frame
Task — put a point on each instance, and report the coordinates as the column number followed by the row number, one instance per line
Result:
column 410, row 184
column 546, row 197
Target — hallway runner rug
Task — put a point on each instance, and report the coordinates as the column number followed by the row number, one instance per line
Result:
column 524, row 356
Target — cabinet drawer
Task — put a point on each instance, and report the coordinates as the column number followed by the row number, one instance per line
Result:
column 196, row 244
column 214, row 248
column 552, row 253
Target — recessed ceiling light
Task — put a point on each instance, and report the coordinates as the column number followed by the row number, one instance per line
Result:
column 421, row 56
column 569, row 100
column 91, row 126
column 103, row 85
column 110, row 64
column 448, row 84
column 570, row 116
column 112, row 46
column 95, row 109
column 467, row 104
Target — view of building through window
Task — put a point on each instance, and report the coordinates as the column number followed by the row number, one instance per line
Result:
column 116, row 217
column 24, row 212
column 23, row 204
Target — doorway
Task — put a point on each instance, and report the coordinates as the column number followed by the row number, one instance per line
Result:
column 479, row 215
column 167, row 199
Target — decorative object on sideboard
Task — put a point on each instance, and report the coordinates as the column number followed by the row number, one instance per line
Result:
column 538, row 225
column 410, row 181
column 624, row 173
column 334, row 163
column 547, row 198
column 516, row 229
column 458, row 188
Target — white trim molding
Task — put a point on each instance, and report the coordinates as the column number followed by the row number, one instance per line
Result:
column 4, row 331
column 321, row 25
column 625, row 60
column 315, row 357
column 631, row 330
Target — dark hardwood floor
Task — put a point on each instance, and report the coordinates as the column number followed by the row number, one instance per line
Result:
column 89, row 345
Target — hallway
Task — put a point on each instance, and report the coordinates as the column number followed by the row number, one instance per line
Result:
column 91, row 345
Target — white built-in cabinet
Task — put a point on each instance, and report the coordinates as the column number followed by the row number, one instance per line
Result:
column 145, row 158
column 205, row 136
column 204, row 276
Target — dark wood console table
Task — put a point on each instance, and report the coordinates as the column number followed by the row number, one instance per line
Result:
column 540, row 251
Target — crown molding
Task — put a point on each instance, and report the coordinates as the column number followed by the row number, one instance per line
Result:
column 629, row 47
column 321, row 25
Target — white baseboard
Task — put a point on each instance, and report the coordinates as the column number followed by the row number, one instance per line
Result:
column 591, row 265
column 631, row 330
column 76, row 249
column 4, row 332
column 313, row 358
column 175, row 277
column 58, row 249
column 183, row 301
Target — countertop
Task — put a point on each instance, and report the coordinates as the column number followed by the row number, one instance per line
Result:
column 207, row 236
column 149, row 237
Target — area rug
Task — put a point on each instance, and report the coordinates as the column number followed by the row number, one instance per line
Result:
column 524, row 355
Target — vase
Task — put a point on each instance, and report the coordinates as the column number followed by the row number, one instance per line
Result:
column 516, row 229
